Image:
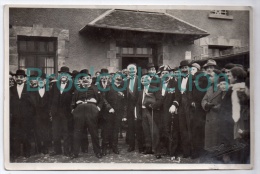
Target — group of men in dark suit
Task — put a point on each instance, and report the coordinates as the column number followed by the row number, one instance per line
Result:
column 163, row 111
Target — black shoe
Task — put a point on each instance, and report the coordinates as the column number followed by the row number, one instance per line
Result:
column 158, row 156
column 99, row 155
column 115, row 150
column 45, row 151
column 74, row 156
column 54, row 153
column 141, row 150
column 27, row 155
column 130, row 149
column 186, row 155
column 148, row 151
column 67, row 154
column 84, row 151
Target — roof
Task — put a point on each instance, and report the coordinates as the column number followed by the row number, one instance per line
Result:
column 145, row 22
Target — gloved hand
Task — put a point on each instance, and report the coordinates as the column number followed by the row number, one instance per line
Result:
column 172, row 109
column 111, row 110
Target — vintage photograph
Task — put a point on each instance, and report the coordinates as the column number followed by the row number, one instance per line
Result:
column 128, row 87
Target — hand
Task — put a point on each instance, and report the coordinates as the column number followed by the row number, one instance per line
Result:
column 193, row 104
column 124, row 119
column 240, row 131
column 209, row 105
column 72, row 110
column 79, row 101
column 111, row 110
column 172, row 109
column 98, row 108
column 50, row 118
column 92, row 100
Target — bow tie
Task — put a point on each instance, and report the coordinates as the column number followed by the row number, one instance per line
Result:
column 41, row 87
column 63, row 82
column 186, row 76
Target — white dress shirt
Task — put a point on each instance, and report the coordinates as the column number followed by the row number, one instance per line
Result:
column 164, row 87
column 62, row 87
column 184, row 84
column 41, row 91
column 145, row 91
column 131, row 84
column 20, row 89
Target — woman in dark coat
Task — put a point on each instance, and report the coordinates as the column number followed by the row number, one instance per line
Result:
column 211, row 104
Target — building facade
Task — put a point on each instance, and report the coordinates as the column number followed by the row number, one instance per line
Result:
column 48, row 38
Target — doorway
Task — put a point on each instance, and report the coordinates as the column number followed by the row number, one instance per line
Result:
column 139, row 61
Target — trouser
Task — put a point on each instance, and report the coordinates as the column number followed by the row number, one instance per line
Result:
column 151, row 130
column 60, row 130
column 85, row 114
column 42, row 133
column 20, row 133
column 184, row 125
column 111, row 129
column 198, row 130
column 170, row 132
column 131, row 127
column 84, row 140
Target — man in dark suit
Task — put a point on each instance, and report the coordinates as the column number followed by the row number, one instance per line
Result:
column 134, row 127
column 182, row 101
column 155, row 81
column 21, row 116
column 61, row 94
column 41, row 101
column 170, row 122
column 114, row 104
column 104, row 87
column 148, row 111
column 86, row 104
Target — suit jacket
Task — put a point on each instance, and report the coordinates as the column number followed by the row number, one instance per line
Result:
column 133, row 96
column 178, row 95
column 41, row 104
column 156, row 105
column 22, row 110
column 61, row 101
column 98, row 97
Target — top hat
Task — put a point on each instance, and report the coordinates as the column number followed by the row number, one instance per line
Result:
column 85, row 71
column 184, row 63
column 64, row 69
column 210, row 62
column 149, row 65
column 196, row 65
column 20, row 72
column 104, row 71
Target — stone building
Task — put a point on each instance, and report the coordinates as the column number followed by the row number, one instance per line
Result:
column 49, row 38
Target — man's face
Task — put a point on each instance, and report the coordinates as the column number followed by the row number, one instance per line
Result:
column 104, row 78
column 210, row 69
column 165, row 75
column 20, row 79
column 41, row 82
column 64, row 77
column 223, row 86
column 146, row 80
column 176, row 74
column 193, row 70
column 86, row 80
column 132, row 70
column 152, row 71
column 97, row 74
column 118, row 78
column 185, row 69
column 232, row 79
column 227, row 72
column 33, row 83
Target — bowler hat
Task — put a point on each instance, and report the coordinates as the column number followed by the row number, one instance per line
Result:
column 184, row 63
column 104, row 71
column 20, row 72
column 229, row 66
column 85, row 71
column 64, row 69
column 74, row 73
column 43, row 76
column 149, row 65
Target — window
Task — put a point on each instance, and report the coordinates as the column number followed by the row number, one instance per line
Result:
column 37, row 52
column 220, row 14
column 134, row 51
